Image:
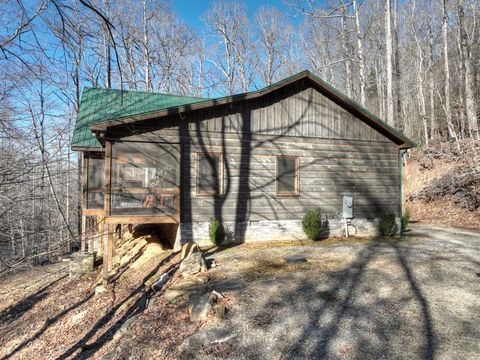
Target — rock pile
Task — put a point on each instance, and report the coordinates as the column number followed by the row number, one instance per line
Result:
column 192, row 288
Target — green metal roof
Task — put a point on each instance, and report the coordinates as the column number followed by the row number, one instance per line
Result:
column 99, row 105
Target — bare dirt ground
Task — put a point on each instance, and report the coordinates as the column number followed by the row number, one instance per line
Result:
column 418, row 298
column 414, row 298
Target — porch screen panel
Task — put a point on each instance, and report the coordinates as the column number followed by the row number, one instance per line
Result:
column 144, row 178
column 95, row 183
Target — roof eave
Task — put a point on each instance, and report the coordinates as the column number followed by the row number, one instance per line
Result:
column 86, row 148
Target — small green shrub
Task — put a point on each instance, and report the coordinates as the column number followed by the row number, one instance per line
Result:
column 405, row 219
column 387, row 226
column 312, row 224
column 217, row 232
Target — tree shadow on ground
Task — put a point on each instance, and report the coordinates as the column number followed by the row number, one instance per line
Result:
column 48, row 323
column 142, row 292
column 342, row 310
column 15, row 311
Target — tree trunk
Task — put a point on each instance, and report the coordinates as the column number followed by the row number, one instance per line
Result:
column 431, row 87
column 389, row 56
column 380, row 93
column 446, row 71
column 107, row 54
column 146, row 53
column 421, row 94
column 420, row 77
column 471, row 108
column 398, row 89
column 346, row 55
column 361, row 60
column 461, row 90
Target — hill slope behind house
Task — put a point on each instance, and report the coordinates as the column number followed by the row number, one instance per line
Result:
column 442, row 184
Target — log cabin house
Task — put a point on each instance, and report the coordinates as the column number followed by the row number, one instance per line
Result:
column 257, row 161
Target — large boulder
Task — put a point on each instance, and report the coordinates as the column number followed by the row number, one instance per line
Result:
column 193, row 264
column 207, row 336
column 185, row 289
column 200, row 306
column 189, row 249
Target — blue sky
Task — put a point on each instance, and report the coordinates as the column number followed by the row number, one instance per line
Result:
column 192, row 10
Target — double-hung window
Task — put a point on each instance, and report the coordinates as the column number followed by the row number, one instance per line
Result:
column 288, row 168
column 209, row 173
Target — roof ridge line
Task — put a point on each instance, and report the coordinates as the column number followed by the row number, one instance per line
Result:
column 142, row 92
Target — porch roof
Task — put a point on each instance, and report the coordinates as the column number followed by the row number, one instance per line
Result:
column 98, row 105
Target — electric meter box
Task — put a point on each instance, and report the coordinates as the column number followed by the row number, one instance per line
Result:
column 348, row 207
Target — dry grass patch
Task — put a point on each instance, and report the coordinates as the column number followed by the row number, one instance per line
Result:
column 261, row 268
column 264, row 245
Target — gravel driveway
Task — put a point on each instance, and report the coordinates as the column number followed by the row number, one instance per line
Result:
column 415, row 298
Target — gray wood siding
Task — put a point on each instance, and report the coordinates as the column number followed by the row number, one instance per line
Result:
column 291, row 112
column 339, row 155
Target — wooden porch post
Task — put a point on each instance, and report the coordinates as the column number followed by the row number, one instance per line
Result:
column 108, row 250
column 106, row 178
column 91, row 242
column 108, row 244
column 84, row 234
column 177, row 202
column 101, row 230
column 83, row 241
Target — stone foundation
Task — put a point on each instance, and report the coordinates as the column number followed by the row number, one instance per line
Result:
column 251, row 231
column 81, row 264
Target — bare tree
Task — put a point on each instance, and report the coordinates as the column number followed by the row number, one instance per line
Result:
column 431, row 85
column 222, row 22
column 275, row 34
column 446, row 70
column 466, row 58
column 146, row 47
column 414, row 23
column 389, row 57
column 228, row 22
column 345, row 47
column 360, row 57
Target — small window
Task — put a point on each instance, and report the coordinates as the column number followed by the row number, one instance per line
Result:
column 209, row 173
column 287, row 175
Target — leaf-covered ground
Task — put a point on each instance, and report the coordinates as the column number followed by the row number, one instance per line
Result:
column 442, row 184
column 44, row 314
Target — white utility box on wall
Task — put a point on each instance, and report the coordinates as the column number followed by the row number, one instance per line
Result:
column 348, row 207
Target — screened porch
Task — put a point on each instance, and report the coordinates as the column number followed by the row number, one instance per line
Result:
column 134, row 182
